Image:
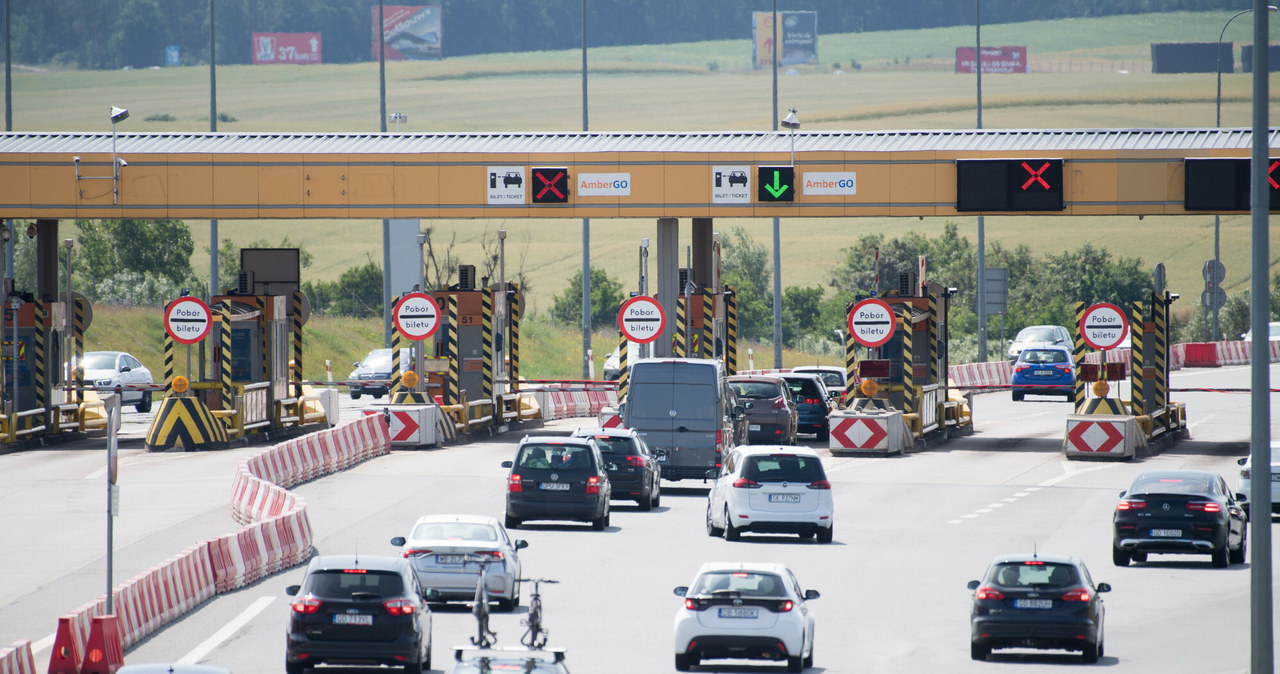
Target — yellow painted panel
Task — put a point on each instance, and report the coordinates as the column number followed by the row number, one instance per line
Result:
column 648, row 183
column 281, row 184
column 15, row 181
column 914, row 184
column 1140, row 182
column 686, row 183
column 370, row 180
column 189, row 181
column 144, row 184
column 325, row 177
column 416, row 189
column 236, row 186
column 462, row 185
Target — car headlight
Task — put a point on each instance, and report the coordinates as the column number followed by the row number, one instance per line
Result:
column 103, row 382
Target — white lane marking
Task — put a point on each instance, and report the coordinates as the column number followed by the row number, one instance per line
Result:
column 1010, row 500
column 43, row 644
column 226, row 632
column 995, row 505
column 1021, row 494
column 1197, row 422
column 1072, row 472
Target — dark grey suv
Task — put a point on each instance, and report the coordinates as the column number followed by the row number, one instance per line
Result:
column 558, row 479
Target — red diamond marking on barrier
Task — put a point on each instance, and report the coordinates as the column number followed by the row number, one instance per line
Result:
column 407, row 426
column 1095, row 436
column 858, row 433
column 614, row 421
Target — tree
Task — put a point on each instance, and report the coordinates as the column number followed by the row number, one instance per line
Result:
column 606, row 300
column 744, row 265
column 357, row 293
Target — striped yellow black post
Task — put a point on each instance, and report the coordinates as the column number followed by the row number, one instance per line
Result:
column 513, row 339
column 186, row 420
column 850, row 366
column 708, row 326
column 78, row 345
column 731, row 330
column 486, row 342
column 453, row 390
column 446, row 429
column 264, row 328
column 682, row 327
column 624, row 368
column 1159, row 348
column 41, row 380
column 908, row 364
column 1137, row 361
column 933, row 338
column 168, row 362
column 224, row 356
column 394, row 387
column 296, row 375
column 1077, row 355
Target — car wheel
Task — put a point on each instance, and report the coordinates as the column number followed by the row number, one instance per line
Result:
column 601, row 522
column 682, row 662
column 825, row 534
column 824, row 433
column 1119, row 557
column 730, row 532
column 512, row 522
column 377, row 396
column 355, row 396
column 294, row 667
column 1138, row 556
column 426, row 659
column 646, row 501
column 978, row 652
column 808, row 661
column 144, row 403
column 506, row 606
column 712, row 529
column 1090, row 653
column 1220, row 557
column 1238, row 555
column 413, row 667
column 1017, row 396
column 795, row 664
column 657, row 494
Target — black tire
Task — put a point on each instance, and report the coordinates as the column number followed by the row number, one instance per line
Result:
column 825, row 535
column 602, row 522
column 512, row 522
column 712, row 530
column 378, row 396
column 426, row 659
column 1119, row 557
column 1017, row 396
column 144, row 404
column 977, row 651
column 730, row 533
column 505, row 606
column 1138, row 556
column 294, row 667
column 682, row 662
column 795, row 664
column 1238, row 555
column 645, row 502
column 355, row 396
column 808, row 661
column 1090, row 653
column 657, row 494
column 1221, row 557
column 413, row 668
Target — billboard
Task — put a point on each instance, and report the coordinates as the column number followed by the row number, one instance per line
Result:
column 798, row 33
column 411, row 32
column 994, row 60
column 286, row 48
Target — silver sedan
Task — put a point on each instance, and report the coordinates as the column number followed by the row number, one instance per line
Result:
column 449, row 552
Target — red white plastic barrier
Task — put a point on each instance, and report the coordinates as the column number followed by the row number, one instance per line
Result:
column 568, row 399
column 17, row 658
column 997, row 373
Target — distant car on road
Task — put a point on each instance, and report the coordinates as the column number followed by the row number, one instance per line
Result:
column 1179, row 511
column 1273, row 332
column 635, row 471
column 771, row 490
column 1038, row 335
column 1037, row 601
column 372, row 375
column 1044, row 370
column 558, row 479
column 812, row 402
column 832, row 377
column 105, row 370
column 440, row 546
column 771, row 416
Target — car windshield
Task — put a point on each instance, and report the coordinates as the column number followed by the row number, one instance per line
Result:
column 756, row 390
column 559, row 457
column 1034, row 574
column 745, row 583
column 1169, row 485
column 346, row 582
column 611, row 445
column 831, row 379
column 1039, row 333
column 462, row 531
column 99, row 361
column 379, row 359
column 1043, row 356
column 783, row 468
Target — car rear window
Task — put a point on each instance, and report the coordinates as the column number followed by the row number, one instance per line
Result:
column 345, row 582
column 783, row 468
column 803, row 387
column 756, row 390
column 552, row 456
column 1037, row 334
column 454, row 530
column 613, row 445
column 1043, row 356
column 1170, row 485
column 1034, row 574
column 746, row 583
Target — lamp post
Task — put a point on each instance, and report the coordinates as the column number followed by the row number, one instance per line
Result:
column 398, row 117
column 117, row 115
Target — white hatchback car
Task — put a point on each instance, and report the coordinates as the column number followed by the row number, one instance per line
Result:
column 737, row 610
column 771, row 489
column 1246, row 479
column 445, row 551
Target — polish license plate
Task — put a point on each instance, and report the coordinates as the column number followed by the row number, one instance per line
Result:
column 554, row 486
column 753, row 427
column 1033, row 603
column 352, row 619
column 749, row 613
column 1275, row 477
column 450, row 559
column 1043, row 373
column 784, row 498
column 1166, row 533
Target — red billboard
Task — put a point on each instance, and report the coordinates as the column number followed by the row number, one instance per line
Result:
column 410, row 32
column 286, row 48
column 994, row 60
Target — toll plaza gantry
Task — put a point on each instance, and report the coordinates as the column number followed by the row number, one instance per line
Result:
column 666, row 176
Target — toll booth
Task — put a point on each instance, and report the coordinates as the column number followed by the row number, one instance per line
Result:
column 36, row 398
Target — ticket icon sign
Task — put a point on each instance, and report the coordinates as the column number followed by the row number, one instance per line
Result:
column 871, row 322
column 641, row 319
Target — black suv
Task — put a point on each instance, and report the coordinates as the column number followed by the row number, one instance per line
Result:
column 633, row 468
column 364, row 610
column 558, row 479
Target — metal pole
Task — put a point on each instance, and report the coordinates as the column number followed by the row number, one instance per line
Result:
column 1260, row 604
column 777, row 226
column 386, row 224
column 8, row 75
column 113, row 421
column 586, row 225
column 646, row 350
column 500, row 302
column 982, row 234
column 67, row 321
column 213, row 126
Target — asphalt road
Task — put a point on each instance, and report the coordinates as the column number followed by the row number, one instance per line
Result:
column 910, row 532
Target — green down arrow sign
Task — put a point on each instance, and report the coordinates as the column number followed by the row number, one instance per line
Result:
column 776, row 183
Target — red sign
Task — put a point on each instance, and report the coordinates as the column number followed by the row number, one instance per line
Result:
column 641, row 320
column 286, row 48
column 994, row 60
column 858, row 433
column 1103, row 326
column 871, row 322
column 409, row 32
column 417, row 316
column 187, row 320
column 1107, row 436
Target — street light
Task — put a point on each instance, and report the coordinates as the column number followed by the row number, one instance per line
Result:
column 791, row 122
column 398, row 117
column 117, row 115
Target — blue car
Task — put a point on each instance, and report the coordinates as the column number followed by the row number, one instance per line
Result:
column 1044, row 370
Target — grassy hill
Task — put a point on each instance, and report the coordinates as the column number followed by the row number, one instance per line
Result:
column 1088, row 73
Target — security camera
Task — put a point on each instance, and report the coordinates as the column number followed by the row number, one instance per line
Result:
column 644, row 243
column 76, row 159
column 121, row 161
column 118, row 114
column 31, row 231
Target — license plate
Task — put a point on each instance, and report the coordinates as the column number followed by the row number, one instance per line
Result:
column 1275, row 477
column 1166, row 533
column 784, row 498
column 1043, row 373
column 753, row 427
column 352, row 619
column 738, row 613
column 554, row 486
column 662, row 458
column 1033, row 603
column 450, row 559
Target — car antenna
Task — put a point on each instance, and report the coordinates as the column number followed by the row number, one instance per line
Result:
column 1035, row 550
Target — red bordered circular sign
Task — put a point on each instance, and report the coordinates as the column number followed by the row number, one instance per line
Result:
column 871, row 322
column 417, row 316
column 187, row 320
column 1103, row 326
column 641, row 319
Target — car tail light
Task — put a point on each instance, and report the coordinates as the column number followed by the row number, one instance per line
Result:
column 514, row 483
column 1208, row 507
column 635, row 461
column 691, row 604
column 744, row 483
column 820, row 484
column 1020, row 367
column 411, row 552
column 785, row 605
column 1245, row 473
column 988, row 593
column 719, row 438
column 812, row 401
column 593, row 485
column 1033, row 562
column 1064, row 367
column 1076, row 595
column 1131, row 505
column 779, row 404
column 399, row 606
column 496, row 554
column 306, row 605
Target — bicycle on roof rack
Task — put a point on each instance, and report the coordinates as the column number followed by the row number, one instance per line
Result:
column 535, row 637
column 484, row 638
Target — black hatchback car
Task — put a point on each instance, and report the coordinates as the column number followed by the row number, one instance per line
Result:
column 558, row 479
column 1037, row 601
column 812, row 402
column 358, row 610
column 1179, row 511
column 634, row 471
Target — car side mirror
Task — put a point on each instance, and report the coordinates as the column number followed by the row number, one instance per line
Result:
column 682, row 591
column 431, row 594
column 398, row 541
column 739, row 410
column 973, row 584
column 659, row 452
column 521, row 544
column 748, row 405
column 611, row 466
column 1103, row 587
column 356, row 364
column 507, row 464
column 711, row 474
column 126, row 368
column 1241, row 496
column 811, row 594
column 292, row 590
column 1241, row 461
column 1122, row 494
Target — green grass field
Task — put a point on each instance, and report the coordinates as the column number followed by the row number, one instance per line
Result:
column 1089, row 73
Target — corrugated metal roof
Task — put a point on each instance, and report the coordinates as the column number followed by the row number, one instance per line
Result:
column 987, row 140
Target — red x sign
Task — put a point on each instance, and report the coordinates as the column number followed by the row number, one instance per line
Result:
column 554, row 184
column 1036, row 176
column 1271, row 169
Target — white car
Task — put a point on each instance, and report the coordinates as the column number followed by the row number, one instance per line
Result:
column 771, row 489
column 445, row 551
column 833, row 377
column 1246, row 479
column 1273, row 332
column 1039, row 335
column 105, row 370
column 744, row 610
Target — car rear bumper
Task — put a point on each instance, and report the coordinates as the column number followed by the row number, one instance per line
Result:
column 403, row 649
column 1202, row 545
column 583, row 511
column 462, row 586
column 685, row 472
column 768, row 433
column 1008, row 633
column 626, row 488
column 713, row 646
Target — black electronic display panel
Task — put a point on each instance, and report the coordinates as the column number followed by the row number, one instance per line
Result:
column 549, row 185
column 1009, row 185
column 776, row 183
column 1223, row 184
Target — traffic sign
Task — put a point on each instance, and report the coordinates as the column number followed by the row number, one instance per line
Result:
column 549, row 185
column 1214, row 271
column 1213, row 298
column 1009, row 185
column 1104, row 326
column 641, row 319
column 187, row 320
column 871, row 322
column 776, row 183
column 417, row 316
